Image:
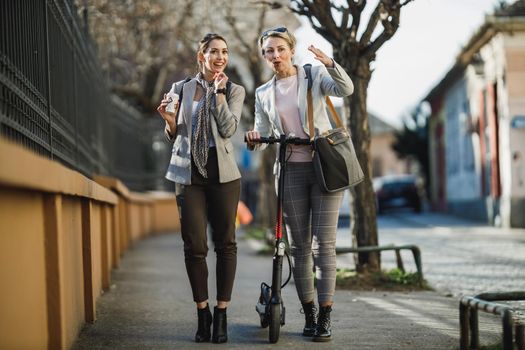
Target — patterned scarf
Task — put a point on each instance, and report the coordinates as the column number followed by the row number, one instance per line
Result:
column 200, row 142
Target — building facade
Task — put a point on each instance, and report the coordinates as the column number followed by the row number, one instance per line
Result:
column 477, row 125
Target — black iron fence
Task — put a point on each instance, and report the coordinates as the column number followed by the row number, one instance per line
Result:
column 55, row 101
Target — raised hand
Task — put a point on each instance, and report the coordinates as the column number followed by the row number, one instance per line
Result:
column 321, row 56
column 220, row 80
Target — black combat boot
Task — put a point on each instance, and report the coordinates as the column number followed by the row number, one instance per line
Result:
column 203, row 330
column 310, row 318
column 323, row 331
column 220, row 333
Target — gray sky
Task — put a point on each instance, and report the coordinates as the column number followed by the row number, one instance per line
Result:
column 423, row 49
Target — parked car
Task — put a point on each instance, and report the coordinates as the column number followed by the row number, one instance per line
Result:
column 398, row 191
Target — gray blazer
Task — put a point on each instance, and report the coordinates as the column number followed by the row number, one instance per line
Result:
column 226, row 117
column 326, row 82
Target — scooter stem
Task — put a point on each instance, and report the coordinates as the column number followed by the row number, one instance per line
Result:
column 279, row 244
column 277, row 272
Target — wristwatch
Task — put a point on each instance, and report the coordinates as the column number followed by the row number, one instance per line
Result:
column 220, row 91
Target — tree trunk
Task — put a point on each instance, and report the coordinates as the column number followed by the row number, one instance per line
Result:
column 364, row 203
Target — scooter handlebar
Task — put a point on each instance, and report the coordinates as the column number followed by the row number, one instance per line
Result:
column 283, row 139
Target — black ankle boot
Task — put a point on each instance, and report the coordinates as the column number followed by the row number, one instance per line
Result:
column 323, row 331
column 220, row 333
column 203, row 332
column 310, row 318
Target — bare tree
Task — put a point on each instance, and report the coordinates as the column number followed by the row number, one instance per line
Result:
column 142, row 45
column 341, row 25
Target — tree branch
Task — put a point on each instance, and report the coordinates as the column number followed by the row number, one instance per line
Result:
column 274, row 5
column 355, row 9
column 321, row 11
column 345, row 15
column 300, row 8
column 371, row 26
column 390, row 20
column 404, row 3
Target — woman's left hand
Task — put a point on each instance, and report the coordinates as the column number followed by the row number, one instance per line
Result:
column 321, row 57
column 220, row 80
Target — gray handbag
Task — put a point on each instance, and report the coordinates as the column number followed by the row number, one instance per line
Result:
column 335, row 162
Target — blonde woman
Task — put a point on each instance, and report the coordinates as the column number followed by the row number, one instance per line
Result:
column 310, row 215
column 207, row 179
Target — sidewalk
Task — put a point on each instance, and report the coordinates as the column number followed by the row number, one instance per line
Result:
column 460, row 257
column 149, row 306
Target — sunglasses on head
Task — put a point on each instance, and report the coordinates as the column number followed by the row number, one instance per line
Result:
column 278, row 30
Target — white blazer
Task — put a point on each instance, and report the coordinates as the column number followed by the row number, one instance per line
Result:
column 325, row 82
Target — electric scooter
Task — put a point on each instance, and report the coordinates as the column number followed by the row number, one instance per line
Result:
column 270, row 306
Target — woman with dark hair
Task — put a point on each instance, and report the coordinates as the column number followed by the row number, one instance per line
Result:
column 207, row 180
column 310, row 214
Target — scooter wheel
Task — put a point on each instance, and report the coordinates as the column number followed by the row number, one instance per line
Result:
column 275, row 322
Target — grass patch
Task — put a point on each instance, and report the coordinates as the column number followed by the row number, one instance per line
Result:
column 391, row 280
column 255, row 233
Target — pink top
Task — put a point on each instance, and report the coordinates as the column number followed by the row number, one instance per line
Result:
column 286, row 103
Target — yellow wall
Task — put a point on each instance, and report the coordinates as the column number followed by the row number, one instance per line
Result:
column 60, row 235
column 106, row 250
column 166, row 215
column 22, row 270
column 71, row 271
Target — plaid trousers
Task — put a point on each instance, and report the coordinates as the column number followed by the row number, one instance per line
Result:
column 310, row 216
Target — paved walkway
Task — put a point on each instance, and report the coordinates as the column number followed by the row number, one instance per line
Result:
column 460, row 257
column 149, row 307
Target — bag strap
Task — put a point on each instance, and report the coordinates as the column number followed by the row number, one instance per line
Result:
column 181, row 95
column 310, row 111
column 181, row 92
column 333, row 112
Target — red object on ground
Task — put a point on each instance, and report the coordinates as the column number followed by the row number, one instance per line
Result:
column 244, row 215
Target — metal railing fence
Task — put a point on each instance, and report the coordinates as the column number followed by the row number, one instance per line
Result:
column 55, row 100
